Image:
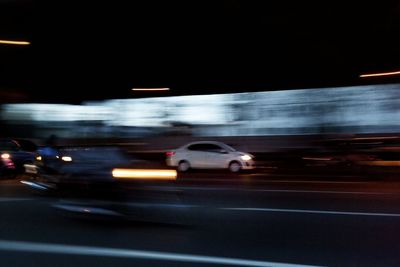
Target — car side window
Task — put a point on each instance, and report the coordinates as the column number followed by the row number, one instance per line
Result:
column 212, row 148
column 196, row 147
column 205, row 148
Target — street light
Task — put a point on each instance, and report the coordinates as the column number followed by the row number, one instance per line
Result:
column 380, row 74
column 150, row 89
column 8, row 42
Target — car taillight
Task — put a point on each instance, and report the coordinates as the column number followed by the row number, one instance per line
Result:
column 6, row 158
column 170, row 153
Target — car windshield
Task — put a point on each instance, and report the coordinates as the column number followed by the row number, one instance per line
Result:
column 228, row 147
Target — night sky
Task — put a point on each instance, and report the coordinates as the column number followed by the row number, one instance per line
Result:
column 193, row 47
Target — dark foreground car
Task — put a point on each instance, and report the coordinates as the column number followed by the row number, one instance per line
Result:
column 14, row 154
column 104, row 181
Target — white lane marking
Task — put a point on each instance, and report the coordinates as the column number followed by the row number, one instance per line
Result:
column 10, row 199
column 273, row 190
column 318, row 191
column 316, row 182
column 316, row 212
column 273, row 181
column 128, row 253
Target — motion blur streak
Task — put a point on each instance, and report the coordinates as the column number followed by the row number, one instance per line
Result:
column 127, row 253
column 317, row 212
column 387, row 163
column 14, row 42
column 144, row 174
column 150, row 89
column 34, row 185
column 380, row 74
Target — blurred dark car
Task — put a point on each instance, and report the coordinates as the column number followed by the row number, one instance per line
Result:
column 14, row 154
column 103, row 181
column 77, row 165
column 368, row 155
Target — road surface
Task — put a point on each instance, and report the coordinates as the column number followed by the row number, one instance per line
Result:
column 246, row 220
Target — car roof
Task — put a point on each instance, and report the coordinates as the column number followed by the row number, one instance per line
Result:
column 209, row 142
column 205, row 142
column 23, row 144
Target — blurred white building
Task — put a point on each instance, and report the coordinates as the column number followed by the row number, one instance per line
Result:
column 358, row 109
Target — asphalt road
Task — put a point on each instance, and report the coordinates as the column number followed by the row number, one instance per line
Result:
column 247, row 220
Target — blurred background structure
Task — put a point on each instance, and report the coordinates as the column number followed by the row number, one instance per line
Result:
column 372, row 109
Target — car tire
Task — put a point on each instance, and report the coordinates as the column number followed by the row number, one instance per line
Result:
column 235, row 166
column 183, row 166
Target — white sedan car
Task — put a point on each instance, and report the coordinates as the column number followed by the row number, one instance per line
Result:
column 209, row 155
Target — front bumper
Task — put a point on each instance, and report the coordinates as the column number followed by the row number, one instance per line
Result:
column 248, row 165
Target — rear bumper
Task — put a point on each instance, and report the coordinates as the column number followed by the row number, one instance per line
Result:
column 171, row 162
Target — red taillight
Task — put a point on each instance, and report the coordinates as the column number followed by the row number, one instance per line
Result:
column 8, row 163
column 170, row 153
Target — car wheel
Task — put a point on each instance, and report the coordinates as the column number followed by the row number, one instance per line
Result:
column 183, row 166
column 235, row 166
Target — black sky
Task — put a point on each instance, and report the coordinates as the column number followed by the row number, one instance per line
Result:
column 101, row 49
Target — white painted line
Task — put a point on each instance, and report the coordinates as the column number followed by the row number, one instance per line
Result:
column 317, row 191
column 194, row 188
column 272, row 181
column 315, row 182
column 316, row 212
column 318, row 182
column 128, row 253
column 162, row 205
column 302, row 175
column 10, row 199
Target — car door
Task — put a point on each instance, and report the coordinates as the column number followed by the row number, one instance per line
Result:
column 215, row 156
column 196, row 155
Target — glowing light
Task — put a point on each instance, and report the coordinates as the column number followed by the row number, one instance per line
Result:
column 29, row 168
column 14, row 42
column 5, row 156
column 245, row 157
column 170, row 153
column 380, row 74
column 150, row 89
column 39, row 158
column 385, row 163
column 66, row 158
column 144, row 174
column 34, row 185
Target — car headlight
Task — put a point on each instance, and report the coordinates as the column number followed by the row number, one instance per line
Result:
column 5, row 156
column 245, row 157
column 66, row 158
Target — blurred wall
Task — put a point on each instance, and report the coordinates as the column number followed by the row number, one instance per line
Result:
column 358, row 109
